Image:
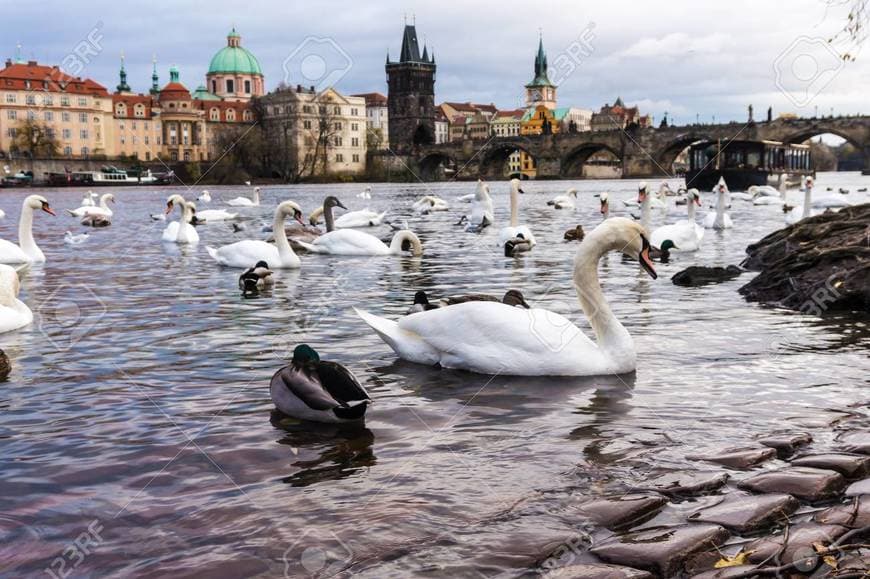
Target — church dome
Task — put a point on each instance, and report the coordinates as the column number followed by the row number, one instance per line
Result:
column 234, row 59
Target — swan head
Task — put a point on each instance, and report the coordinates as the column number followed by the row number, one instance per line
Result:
column 515, row 186
column 694, row 196
column 332, row 201
column 515, row 298
column 619, row 234
column 572, row 191
column 292, row 209
column 173, row 199
column 304, row 353
column 108, row 197
column 38, row 202
column 605, row 200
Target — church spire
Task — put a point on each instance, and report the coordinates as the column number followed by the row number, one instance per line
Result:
column 155, row 81
column 122, row 77
column 542, row 77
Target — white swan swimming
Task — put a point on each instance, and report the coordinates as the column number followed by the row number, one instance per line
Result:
column 515, row 229
column 245, row 202
column 429, row 204
column 71, row 239
column 248, row 252
column 564, row 201
column 719, row 219
column 767, row 195
column 26, row 251
column 686, row 235
column 604, row 198
column 494, row 338
column 362, row 218
column 88, row 199
column 366, row 194
column 793, row 214
column 647, row 202
column 468, row 198
column 215, row 215
column 180, row 231
column 14, row 313
column 481, row 209
column 102, row 209
column 205, row 196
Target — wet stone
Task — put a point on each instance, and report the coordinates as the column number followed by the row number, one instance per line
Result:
column 848, row 465
column 811, row 484
column 738, row 457
column 623, row 512
column 725, row 572
column 682, row 484
column 744, row 513
column 800, row 543
column 862, row 487
column 593, row 571
column 786, row 444
column 855, row 442
column 854, row 514
column 662, row 550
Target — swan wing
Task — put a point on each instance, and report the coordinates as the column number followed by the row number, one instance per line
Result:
column 349, row 242
column 12, row 253
column 245, row 253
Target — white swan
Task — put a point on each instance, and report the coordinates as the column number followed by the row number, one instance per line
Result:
column 796, row 213
column 767, row 195
column 466, row 198
column 14, row 313
column 26, row 251
column 71, row 239
column 494, row 338
column 366, row 194
column 205, row 196
column 245, row 202
column 481, row 209
column 763, row 191
column 605, row 205
column 647, row 202
column 429, row 204
column 719, row 219
column 180, row 231
column 515, row 229
column 686, row 235
column 215, row 215
column 250, row 251
column 361, row 218
column 88, row 199
column 564, row 201
column 102, row 209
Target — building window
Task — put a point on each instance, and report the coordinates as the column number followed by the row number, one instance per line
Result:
column 306, row 124
column 83, row 117
column 146, row 139
column 67, row 134
column 83, row 134
column 12, row 115
column 337, row 126
column 50, row 132
column 231, row 115
column 337, row 141
column 214, row 86
column 30, row 99
column 64, row 116
column 247, row 115
column 64, row 101
column 83, row 101
column 356, row 158
column 354, row 142
column 247, row 87
column 123, row 139
column 48, row 100
column 84, row 151
column 67, row 150
column 337, row 110
column 49, row 116
column 354, row 126
column 339, row 158
column 214, row 114
column 173, row 155
column 121, row 126
column 12, row 132
column 230, row 86
column 31, row 115
column 10, row 98
column 147, row 155
column 133, row 126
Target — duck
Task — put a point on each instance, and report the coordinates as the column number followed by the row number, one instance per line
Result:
column 280, row 255
column 215, row 215
column 102, row 209
column 256, row 278
column 515, row 230
column 88, row 199
column 421, row 303
column 686, row 235
column 429, row 204
column 663, row 253
column 362, row 218
column 180, row 231
column 719, row 219
column 71, row 239
column 366, row 194
column 575, row 234
column 26, row 251
column 516, row 246
column 14, row 313
column 564, row 201
column 96, row 221
column 493, row 338
column 316, row 390
column 513, row 298
column 482, row 214
column 254, row 201
column 204, row 197
column 354, row 242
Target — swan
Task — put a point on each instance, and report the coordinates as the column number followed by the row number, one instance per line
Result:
column 686, row 235
column 256, row 278
column 515, row 230
column 481, row 209
column 793, row 214
column 280, row 255
column 14, row 313
column 719, row 219
column 466, row 198
column 421, row 303
column 215, row 215
column 361, row 218
column 605, row 205
column 96, row 221
column 205, row 196
column 245, row 202
column 354, row 242
column 2, row 214
column 317, row 215
column 103, row 209
column 763, row 191
column 88, row 199
column 312, row 389
column 564, row 201
column 722, row 185
column 743, row 196
column 646, row 202
column 492, row 338
column 428, row 204
column 71, row 239
column 26, row 251
column 831, row 201
column 366, row 194
column 180, row 231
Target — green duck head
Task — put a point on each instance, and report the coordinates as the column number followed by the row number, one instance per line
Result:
column 667, row 245
column 305, row 353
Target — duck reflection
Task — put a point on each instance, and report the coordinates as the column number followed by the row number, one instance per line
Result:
column 344, row 449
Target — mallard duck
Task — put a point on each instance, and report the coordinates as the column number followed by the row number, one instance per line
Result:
column 576, row 234
column 517, row 245
column 422, row 304
column 320, row 391
column 663, row 253
column 256, row 278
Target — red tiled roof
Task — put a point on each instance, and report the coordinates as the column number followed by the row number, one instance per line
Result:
column 223, row 107
column 490, row 108
column 514, row 114
column 462, row 107
column 131, row 100
column 46, row 78
column 373, row 99
column 174, row 91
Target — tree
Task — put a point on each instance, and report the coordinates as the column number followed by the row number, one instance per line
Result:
column 323, row 133
column 854, row 32
column 823, row 157
column 35, row 139
column 242, row 152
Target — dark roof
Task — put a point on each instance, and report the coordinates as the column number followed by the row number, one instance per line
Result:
column 410, row 48
column 49, row 78
column 373, row 99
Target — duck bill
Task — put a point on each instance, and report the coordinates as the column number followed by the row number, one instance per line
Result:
column 645, row 261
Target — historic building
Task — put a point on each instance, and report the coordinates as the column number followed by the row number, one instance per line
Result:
column 618, row 117
column 377, row 120
column 316, row 133
column 541, row 91
column 442, row 128
column 234, row 73
column 411, row 95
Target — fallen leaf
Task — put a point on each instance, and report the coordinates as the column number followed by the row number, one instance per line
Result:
column 738, row 559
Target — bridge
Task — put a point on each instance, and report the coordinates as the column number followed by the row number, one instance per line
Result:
column 643, row 152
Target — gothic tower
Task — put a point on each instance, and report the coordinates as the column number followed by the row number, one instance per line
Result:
column 541, row 91
column 411, row 95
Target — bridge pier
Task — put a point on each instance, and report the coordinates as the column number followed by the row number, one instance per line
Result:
column 866, row 170
column 638, row 166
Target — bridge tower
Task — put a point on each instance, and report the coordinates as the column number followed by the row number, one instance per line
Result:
column 411, row 95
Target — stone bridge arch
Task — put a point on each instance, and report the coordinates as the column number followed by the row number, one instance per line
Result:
column 436, row 166
column 495, row 157
column 576, row 158
column 667, row 154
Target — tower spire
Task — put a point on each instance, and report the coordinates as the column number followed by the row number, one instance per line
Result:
column 18, row 59
column 122, row 77
column 155, row 84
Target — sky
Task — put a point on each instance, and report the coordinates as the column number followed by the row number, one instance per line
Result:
column 693, row 60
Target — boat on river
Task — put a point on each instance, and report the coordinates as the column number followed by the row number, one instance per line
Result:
column 109, row 176
column 746, row 163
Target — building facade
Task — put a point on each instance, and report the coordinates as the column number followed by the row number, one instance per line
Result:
column 411, row 95
column 234, row 73
column 377, row 120
column 618, row 117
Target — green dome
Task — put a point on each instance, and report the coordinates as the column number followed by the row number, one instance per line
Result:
column 234, row 59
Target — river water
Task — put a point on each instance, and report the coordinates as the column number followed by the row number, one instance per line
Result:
column 135, row 429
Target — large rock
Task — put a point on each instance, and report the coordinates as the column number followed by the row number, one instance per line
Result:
column 726, row 572
column 811, row 484
column 855, row 442
column 683, row 484
column 597, row 571
column 744, row 513
column 697, row 275
column 819, row 264
column 862, row 487
column 738, row 458
column 623, row 512
column 662, row 550
column 848, row 465
column 799, row 543
column 854, row 514
column 786, row 444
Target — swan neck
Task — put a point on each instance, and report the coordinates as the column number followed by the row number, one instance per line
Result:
column 645, row 212
column 25, row 229
column 256, row 197
column 808, row 200
column 280, row 233
column 691, row 209
column 402, row 236
column 515, row 209
column 328, row 218
column 103, row 201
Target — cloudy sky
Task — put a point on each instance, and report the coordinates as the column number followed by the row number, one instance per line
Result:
column 687, row 58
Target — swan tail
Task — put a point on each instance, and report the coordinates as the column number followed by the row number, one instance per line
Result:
column 407, row 345
column 213, row 253
column 310, row 247
column 71, row 212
